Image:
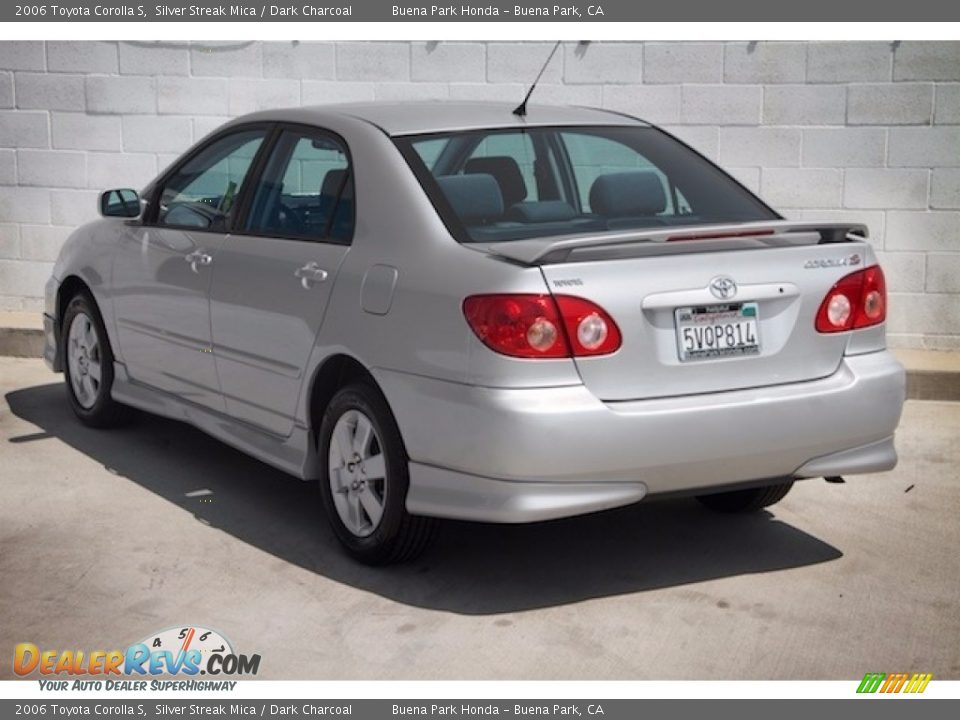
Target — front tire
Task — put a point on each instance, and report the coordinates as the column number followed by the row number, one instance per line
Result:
column 365, row 477
column 88, row 365
column 745, row 501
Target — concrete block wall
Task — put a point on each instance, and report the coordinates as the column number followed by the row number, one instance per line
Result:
column 863, row 131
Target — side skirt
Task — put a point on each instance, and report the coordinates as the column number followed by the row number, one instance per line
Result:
column 294, row 454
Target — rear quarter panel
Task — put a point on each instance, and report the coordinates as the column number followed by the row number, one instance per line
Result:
column 424, row 331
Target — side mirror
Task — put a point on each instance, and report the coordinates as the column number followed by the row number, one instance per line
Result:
column 120, row 203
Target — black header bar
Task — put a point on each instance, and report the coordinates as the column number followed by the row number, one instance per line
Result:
column 483, row 11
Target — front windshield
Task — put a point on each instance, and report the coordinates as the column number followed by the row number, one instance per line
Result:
column 518, row 183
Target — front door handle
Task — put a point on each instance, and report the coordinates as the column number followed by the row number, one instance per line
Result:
column 198, row 257
column 310, row 273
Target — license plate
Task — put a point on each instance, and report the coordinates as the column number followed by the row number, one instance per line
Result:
column 717, row 331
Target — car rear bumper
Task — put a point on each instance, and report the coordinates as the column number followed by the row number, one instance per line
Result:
column 517, row 455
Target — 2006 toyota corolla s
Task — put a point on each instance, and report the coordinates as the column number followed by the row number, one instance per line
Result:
column 449, row 311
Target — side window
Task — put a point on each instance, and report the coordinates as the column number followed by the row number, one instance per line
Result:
column 202, row 192
column 430, row 150
column 592, row 157
column 306, row 191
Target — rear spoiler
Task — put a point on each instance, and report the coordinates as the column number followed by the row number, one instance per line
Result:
column 671, row 241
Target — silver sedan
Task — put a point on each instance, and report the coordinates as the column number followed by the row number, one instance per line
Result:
column 451, row 311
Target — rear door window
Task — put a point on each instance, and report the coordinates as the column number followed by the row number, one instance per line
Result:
column 306, row 191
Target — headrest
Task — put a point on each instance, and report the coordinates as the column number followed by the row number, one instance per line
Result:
column 332, row 182
column 628, row 194
column 474, row 198
column 505, row 171
column 541, row 212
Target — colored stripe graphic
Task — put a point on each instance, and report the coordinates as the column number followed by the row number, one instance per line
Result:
column 894, row 682
column 918, row 683
column 871, row 682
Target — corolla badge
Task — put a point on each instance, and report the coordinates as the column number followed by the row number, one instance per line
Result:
column 833, row 262
column 723, row 287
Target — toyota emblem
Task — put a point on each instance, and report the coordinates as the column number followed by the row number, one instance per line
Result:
column 723, row 287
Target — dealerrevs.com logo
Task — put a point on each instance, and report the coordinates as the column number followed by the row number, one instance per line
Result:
column 177, row 651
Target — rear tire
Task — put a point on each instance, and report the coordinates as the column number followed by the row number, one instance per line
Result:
column 745, row 501
column 88, row 365
column 364, row 479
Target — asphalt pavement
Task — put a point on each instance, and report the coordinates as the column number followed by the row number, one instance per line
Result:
column 108, row 536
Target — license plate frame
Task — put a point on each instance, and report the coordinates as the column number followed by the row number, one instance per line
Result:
column 739, row 337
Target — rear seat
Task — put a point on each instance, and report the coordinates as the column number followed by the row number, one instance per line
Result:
column 541, row 212
column 617, row 200
column 475, row 198
column 624, row 198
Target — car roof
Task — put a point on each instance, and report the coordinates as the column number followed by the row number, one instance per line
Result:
column 409, row 118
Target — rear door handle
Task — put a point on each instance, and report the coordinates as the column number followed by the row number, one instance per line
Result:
column 198, row 257
column 311, row 273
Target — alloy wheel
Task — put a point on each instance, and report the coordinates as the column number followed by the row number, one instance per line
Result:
column 357, row 473
column 85, row 360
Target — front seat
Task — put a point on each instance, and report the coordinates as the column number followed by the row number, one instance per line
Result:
column 505, row 171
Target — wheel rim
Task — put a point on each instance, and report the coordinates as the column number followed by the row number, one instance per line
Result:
column 357, row 473
column 84, row 360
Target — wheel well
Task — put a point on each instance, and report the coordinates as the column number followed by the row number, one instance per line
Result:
column 68, row 289
column 335, row 372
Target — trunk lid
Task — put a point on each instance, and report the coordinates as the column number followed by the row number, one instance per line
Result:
column 773, row 279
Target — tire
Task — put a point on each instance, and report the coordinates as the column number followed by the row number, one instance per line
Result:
column 745, row 501
column 88, row 365
column 365, row 497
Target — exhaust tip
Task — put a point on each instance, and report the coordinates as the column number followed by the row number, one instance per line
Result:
column 835, row 479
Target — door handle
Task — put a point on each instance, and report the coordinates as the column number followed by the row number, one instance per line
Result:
column 309, row 274
column 198, row 257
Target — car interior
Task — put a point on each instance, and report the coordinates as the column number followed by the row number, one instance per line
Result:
column 490, row 199
column 305, row 192
column 499, row 185
column 326, row 214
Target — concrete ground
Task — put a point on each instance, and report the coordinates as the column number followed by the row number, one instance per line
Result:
column 104, row 539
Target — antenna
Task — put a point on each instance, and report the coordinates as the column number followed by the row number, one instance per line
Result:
column 521, row 109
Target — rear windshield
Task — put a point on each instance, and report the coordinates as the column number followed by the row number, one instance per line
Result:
column 518, row 183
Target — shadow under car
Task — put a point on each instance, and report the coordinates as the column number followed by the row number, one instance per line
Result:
column 472, row 568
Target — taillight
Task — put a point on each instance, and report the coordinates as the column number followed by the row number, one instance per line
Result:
column 541, row 326
column 856, row 301
column 590, row 329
